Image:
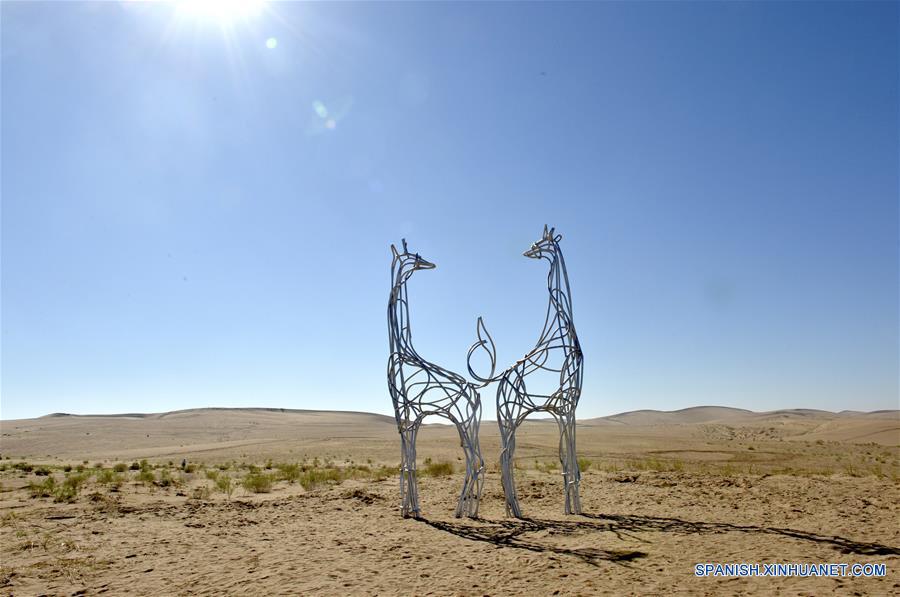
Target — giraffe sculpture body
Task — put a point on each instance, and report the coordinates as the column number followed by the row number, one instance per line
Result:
column 554, row 363
column 419, row 388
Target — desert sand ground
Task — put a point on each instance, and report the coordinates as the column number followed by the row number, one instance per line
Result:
column 313, row 505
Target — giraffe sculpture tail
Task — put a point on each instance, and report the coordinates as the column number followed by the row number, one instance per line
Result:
column 485, row 343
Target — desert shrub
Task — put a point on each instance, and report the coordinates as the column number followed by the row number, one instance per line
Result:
column 212, row 474
column 108, row 476
column 584, row 464
column 289, row 472
column 225, row 485
column 201, row 493
column 611, row 467
column 383, row 472
column 68, row 490
column 190, row 468
column 655, row 464
column 134, row 466
column 42, row 471
column 146, row 477
column 851, row 470
column 79, row 468
column 144, row 465
column 224, row 466
column 67, row 468
column 45, row 488
column 120, row 467
column 319, row 476
column 437, row 469
column 546, row 467
column 269, row 464
column 23, row 466
column 166, row 479
column 258, row 482
column 729, row 470
column 98, row 465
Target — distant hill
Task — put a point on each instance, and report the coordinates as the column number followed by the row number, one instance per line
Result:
column 226, row 411
column 729, row 415
column 684, row 416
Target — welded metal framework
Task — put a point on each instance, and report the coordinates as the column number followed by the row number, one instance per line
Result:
column 557, row 353
column 419, row 388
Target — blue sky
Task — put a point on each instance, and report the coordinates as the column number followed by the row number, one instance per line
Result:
column 193, row 218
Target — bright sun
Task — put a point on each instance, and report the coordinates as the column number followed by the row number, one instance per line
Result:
column 224, row 12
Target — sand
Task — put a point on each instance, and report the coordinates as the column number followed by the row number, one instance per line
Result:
column 663, row 492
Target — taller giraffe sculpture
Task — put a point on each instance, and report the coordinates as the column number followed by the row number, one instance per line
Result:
column 556, row 357
column 419, row 388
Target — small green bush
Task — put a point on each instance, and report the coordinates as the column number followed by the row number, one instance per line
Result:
column 46, row 488
column 289, row 472
column 120, row 467
column 68, row 490
column 166, row 479
column 258, row 482
column 584, row 464
column 108, row 476
column 224, row 484
column 438, row 469
column 319, row 476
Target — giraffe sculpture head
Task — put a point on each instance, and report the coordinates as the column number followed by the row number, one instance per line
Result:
column 546, row 247
column 406, row 263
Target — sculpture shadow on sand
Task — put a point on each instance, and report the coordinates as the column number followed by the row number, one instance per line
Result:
column 511, row 533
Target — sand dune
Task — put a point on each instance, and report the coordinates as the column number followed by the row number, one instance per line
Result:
column 248, row 433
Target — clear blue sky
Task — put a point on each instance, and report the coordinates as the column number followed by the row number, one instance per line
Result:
column 191, row 217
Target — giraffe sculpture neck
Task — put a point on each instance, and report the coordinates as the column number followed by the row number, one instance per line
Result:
column 559, row 306
column 398, row 312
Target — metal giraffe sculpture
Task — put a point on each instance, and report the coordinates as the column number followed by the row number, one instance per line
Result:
column 419, row 388
column 557, row 353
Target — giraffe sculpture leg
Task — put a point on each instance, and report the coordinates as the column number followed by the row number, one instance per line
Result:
column 507, row 454
column 474, row 481
column 409, row 490
column 568, row 458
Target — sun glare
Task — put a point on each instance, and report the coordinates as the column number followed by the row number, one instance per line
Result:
column 223, row 12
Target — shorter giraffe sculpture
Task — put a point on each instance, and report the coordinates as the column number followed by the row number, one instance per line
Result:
column 419, row 388
column 556, row 360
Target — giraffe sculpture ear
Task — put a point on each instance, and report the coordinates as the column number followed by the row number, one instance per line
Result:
column 545, row 231
column 405, row 250
column 394, row 251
